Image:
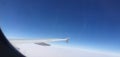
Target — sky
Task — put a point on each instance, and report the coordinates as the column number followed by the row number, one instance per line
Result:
column 88, row 23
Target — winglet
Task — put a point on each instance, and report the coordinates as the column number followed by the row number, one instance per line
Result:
column 67, row 39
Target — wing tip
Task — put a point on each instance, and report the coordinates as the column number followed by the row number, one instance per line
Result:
column 67, row 39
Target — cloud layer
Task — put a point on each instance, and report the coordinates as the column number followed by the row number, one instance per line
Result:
column 32, row 50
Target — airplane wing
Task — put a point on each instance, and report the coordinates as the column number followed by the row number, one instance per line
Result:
column 37, row 41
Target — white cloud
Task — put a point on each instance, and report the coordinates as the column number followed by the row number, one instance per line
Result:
column 32, row 50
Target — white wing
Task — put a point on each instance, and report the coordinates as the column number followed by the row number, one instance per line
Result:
column 37, row 41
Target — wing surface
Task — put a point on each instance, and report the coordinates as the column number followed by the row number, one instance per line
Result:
column 37, row 41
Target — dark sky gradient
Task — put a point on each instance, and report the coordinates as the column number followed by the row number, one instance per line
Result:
column 90, row 23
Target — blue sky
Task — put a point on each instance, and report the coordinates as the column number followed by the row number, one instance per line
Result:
column 90, row 23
